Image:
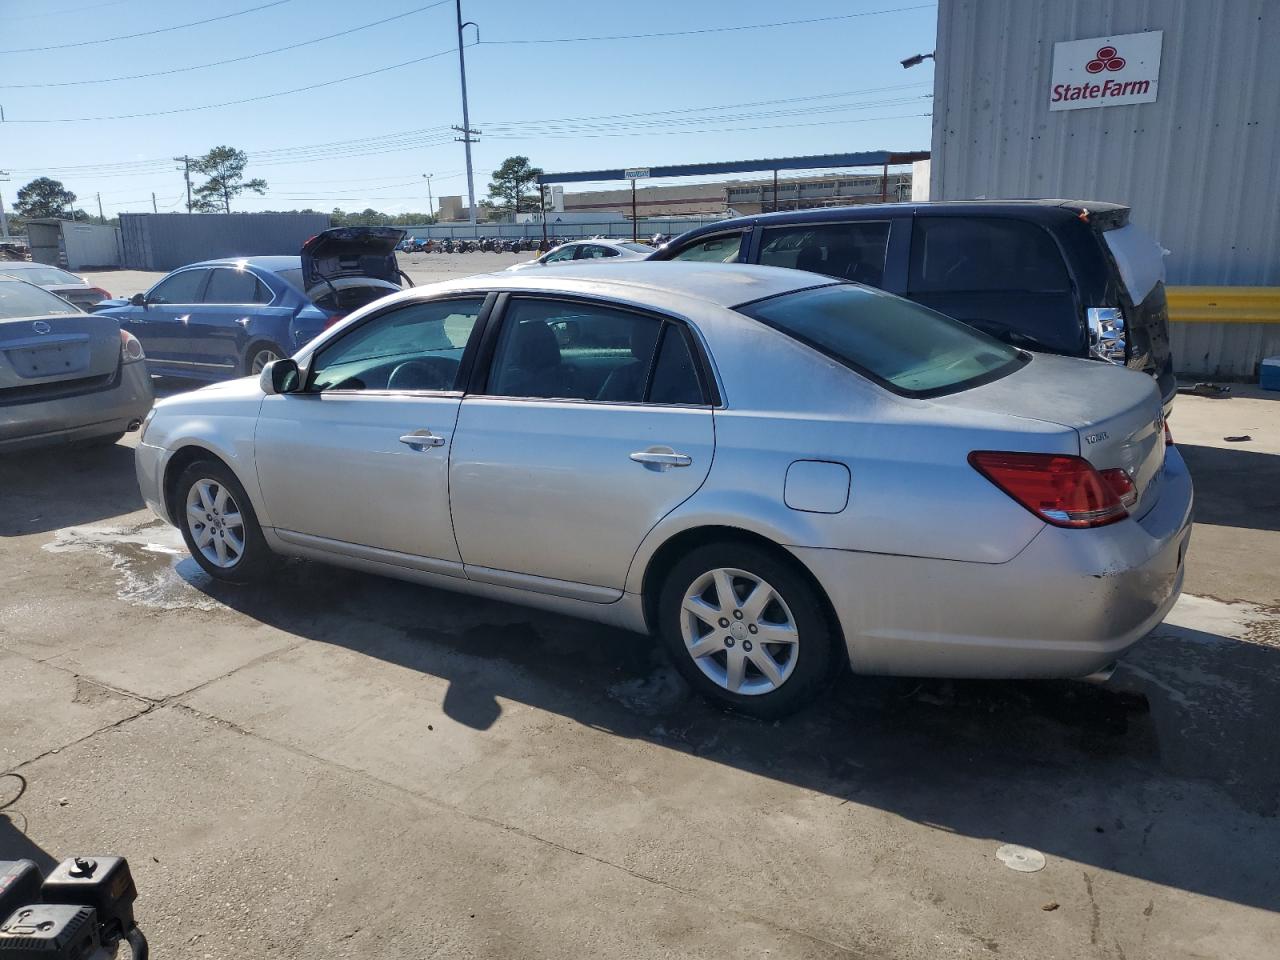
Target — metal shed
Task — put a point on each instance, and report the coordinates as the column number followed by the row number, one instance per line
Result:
column 1196, row 162
column 163, row 241
column 74, row 245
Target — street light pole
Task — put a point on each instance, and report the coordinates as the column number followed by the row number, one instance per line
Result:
column 431, row 204
column 466, row 130
column 4, row 217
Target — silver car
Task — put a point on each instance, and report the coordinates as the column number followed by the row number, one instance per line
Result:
column 587, row 251
column 66, row 376
column 775, row 473
column 56, row 280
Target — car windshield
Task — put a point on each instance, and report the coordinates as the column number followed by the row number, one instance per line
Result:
column 18, row 299
column 636, row 247
column 48, row 276
column 907, row 348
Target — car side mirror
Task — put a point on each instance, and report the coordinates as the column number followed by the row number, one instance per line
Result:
column 281, row 376
column 138, row 300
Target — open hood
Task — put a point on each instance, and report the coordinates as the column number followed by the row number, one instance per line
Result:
column 352, row 252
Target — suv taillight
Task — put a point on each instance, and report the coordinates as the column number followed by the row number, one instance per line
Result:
column 1106, row 334
column 1060, row 489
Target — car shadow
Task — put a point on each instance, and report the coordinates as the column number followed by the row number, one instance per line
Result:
column 53, row 487
column 14, row 842
column 1116, row 776
column 1235, row 486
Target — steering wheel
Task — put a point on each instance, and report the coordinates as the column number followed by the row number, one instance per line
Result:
column 430, row 373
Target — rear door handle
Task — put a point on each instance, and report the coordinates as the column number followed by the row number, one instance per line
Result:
column 661, row 459
column 422, row 439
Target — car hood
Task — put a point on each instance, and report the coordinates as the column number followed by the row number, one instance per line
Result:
column 107, row 304
column 352, row 252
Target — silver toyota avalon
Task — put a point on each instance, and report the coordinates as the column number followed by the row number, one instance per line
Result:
column 774, row 473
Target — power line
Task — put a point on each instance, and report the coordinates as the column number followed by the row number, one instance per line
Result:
column 705, row 30
column 220, row 63
column 232, row 103
column 667, row 133
column 148, row 33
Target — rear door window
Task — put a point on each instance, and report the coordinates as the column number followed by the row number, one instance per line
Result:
column 235, row 286
column 719, row 249
column 848, row 251
column 984, row 254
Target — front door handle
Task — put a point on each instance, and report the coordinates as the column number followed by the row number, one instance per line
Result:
column 421, row 439
column 661, row 459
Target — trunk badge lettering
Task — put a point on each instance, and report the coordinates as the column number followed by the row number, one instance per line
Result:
column 41, row 326
column 1096, row 437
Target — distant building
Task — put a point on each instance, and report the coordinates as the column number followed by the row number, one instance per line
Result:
column 744, row 196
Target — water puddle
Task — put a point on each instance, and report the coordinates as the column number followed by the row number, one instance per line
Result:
column 150, row 561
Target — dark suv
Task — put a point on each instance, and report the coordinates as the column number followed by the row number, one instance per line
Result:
column 1063, row 276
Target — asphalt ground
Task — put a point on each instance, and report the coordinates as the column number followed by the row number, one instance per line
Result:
column 335, row 764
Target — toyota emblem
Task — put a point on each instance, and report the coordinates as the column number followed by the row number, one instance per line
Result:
column 41, row 326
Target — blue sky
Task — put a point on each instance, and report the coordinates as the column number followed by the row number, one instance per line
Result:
column 821, row 87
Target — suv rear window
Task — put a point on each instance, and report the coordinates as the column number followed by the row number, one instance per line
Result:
column 969, row 255
column 901, row 345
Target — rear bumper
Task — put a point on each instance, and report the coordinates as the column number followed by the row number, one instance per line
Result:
column 83, row 417
column 1068, row 604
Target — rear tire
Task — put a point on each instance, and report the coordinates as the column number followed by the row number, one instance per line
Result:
column 747, row 630
column 258, row 356
column 218, row 523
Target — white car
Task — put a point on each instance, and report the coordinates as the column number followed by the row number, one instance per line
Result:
column 56, row 280
column 580, row 251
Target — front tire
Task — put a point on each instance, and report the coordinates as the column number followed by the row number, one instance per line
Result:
column 747, row 630
column 218, row 523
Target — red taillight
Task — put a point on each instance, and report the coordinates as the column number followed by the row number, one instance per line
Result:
column 99, row 292
column 1063, row 490
column 130, row 348
column 1121, row 485
column 1168, row 437
column 336, row 318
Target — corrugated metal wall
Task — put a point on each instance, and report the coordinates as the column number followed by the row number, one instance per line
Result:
column 1200, row 166
column 163, row 241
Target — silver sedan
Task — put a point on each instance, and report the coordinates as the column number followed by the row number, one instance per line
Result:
column 774, row 473
column 587, row 251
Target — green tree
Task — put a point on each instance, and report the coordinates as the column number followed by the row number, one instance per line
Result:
column 44, row 197
column 509, row 188
column 224, row 169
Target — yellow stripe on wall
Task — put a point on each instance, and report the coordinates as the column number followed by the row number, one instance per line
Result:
column 1224, row 304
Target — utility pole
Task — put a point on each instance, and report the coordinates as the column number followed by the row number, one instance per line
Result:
column 101, row 218
column 4, row 217
column 154, row 208
column 186, row 175
column 465, row 129
column 431, row 205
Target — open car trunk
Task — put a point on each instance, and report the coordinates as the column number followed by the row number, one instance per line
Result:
column 351, row 252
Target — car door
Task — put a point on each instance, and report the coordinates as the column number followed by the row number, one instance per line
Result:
column 236, row 309
column 161, row 324
column 558, row 471
column 1004, row 276
column 358, row 462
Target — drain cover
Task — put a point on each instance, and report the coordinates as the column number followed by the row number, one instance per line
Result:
column 1022, row 859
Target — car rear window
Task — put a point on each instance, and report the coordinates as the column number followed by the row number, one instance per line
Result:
column 908, row 348
column 18, row 299
column 49, row 276
column 982, row 254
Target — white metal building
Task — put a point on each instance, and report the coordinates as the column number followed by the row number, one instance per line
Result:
column 1169, row 106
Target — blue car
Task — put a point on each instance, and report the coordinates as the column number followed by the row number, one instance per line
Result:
column 221, row 319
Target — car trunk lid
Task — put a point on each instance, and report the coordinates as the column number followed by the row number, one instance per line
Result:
column 351, row 252
column 1116, row 413
column 56, row 348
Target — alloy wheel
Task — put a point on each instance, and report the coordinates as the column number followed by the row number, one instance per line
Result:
column 215, row 523
column 261, row 359
column 739, row 631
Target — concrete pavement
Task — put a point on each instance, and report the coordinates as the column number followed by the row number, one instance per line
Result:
column 334, row 764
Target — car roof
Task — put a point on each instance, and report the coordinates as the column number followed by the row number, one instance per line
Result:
column 722, row 284
column 270, row 264
column 1029, row 208
column 7, row 265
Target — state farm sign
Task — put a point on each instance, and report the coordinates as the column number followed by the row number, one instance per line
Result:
column 1106, row 71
